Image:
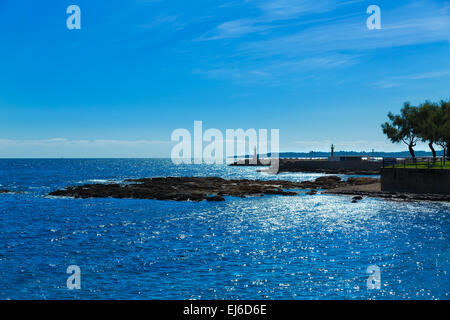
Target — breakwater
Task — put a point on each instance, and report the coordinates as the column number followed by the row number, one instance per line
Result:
column 327, row 166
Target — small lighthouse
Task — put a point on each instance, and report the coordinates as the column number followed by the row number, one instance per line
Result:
column 255, row 157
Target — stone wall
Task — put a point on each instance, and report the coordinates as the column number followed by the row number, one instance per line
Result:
column 436, row 181
column 290, row 164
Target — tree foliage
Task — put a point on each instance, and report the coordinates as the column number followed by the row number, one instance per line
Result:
column 443, row 126
column 429, row 122
column 403, row 127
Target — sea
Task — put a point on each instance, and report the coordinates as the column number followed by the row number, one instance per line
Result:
column 271, row 247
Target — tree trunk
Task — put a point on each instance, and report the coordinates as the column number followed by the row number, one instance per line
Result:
column 432, row 149
column 411, row 151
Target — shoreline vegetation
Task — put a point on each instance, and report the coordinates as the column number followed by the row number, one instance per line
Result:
column 197, row 189
column 429, row 122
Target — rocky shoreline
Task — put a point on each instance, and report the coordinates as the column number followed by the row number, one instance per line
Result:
column 202, row 188
column 215, row 189
column 374, row 191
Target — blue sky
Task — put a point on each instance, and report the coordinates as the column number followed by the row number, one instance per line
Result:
column 139, row 69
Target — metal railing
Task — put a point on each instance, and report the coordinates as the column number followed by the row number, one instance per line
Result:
column 418, row 163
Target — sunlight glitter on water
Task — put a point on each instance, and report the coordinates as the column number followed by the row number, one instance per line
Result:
column 310, row 247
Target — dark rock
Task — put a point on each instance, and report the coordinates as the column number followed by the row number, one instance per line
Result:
column 4, row 191
column 215, row 198
column 328, row 182
column 181, row 189
column 393, row 196
column 195, row 188
column 328, row 178
column 280, row 192
column 361, row 180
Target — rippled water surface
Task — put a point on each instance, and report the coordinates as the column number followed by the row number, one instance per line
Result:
column 271, row 247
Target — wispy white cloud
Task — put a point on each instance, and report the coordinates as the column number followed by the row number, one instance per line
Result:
column 351, row 34
column 286, row 44
column 274, row 72
column 270, row 15
column 397, row 81
column 289, row 9
column 235, row 29
column 174, row 21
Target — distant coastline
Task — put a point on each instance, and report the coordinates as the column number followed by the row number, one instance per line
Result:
column 326, row 154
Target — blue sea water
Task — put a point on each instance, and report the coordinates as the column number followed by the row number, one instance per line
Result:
column 271, row 247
